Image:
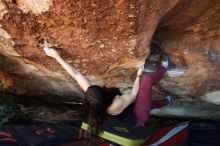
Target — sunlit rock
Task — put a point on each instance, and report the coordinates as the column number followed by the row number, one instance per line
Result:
column 34, row 6
column 3, row 9
column 212, row 97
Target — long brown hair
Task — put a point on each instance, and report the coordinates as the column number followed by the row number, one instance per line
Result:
column 97, row 100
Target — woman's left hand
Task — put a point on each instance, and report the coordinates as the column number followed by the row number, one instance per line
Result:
column 140, row 70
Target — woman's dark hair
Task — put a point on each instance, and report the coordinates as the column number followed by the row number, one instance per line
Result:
column 97, row 100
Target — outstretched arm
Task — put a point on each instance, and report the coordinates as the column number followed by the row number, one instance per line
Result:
column 81, row 80
column 136, row 85
column 123, row 101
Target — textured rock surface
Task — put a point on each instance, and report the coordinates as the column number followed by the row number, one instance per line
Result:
column 190, row 34
column 106, row 40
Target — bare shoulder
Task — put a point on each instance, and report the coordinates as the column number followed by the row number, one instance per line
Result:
column 118, row 104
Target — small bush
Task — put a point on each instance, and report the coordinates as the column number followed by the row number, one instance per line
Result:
column 7, row 110
column 6, row 113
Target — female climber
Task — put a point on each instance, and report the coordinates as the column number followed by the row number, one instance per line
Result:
column 102, row 102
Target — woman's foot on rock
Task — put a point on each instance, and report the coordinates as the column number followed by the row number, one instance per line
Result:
column 169, row 99
column 165, row 61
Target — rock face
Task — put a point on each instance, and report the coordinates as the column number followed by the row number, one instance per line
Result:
column 106, row 40
column 190, row 34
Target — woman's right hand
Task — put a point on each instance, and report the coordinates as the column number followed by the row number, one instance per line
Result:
column 51, row 52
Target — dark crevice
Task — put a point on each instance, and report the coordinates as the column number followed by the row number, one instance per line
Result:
column 154, row 49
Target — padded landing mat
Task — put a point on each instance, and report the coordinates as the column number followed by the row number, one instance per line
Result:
column 123, row 134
